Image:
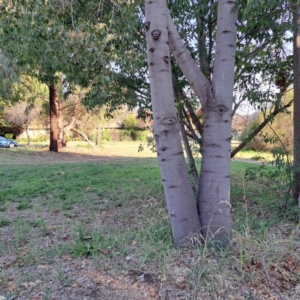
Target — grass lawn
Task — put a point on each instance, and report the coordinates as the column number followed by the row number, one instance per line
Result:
column 91, row 224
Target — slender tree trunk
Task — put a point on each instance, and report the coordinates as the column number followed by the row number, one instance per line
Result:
column 98, row 134
column 296, row 21
column 69, row 125
column 180, row 200
column 54, row 110
column 85, row 137
column 189, row 155
column 61, row 142
column 27, row 135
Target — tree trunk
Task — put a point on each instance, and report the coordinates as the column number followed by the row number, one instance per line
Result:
column 69, row 125
column 85, row 137
column 216, row 102
column 214, row 183
column 189, row 155
column 296, row 21
column 27, row 135
column 54, row 108
column 180, row 200
column 61, row 142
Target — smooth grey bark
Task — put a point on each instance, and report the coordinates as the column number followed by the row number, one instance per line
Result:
column 216, row 102
column 214, row 183
column 181, row 205
column 296, row 49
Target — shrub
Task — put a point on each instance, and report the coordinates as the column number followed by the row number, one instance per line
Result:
column 142, row 135
column 106, row 135
column 134, row 134
column 41, row 138
column 130, row 122
column 9, row 135
column 124, row 135
column 115, row 135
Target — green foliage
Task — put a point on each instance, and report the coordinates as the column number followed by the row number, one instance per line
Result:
column 280, row 177
column 23, row 205
column 130, row 122
column 124, row 135
column 4, row 222
column 106, row 136
column 142, row 135
column 134, row 134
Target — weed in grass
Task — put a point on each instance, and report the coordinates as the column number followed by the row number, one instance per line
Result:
column 71, row 214
column 23, row 205
column 48, row 294
column 156, row 240
column 64, row 279
column 10, row 296
column 21, row 232
column 4, row 222
column 40, row 223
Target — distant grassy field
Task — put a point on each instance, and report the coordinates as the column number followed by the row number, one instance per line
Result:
column 131, row 149
column 94, row 220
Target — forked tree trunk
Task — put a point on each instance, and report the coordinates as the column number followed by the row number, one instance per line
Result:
column 216, row 102
column 54, row 108
column 180, row 200
column 296, row 20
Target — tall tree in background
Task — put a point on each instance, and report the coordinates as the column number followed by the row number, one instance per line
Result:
column 296, row 50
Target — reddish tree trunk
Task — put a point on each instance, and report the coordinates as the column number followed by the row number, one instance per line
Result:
column 54, row 111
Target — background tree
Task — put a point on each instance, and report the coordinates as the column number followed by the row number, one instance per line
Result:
column 296, row 49
column 22, row 114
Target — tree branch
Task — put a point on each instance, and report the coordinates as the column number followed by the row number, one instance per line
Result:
column 259, row 128
column 197, row 80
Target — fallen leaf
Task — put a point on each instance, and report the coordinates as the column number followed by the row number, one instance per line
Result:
column 11, row 286
column 43, row 267
column 180, row 280
column 103, row 251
